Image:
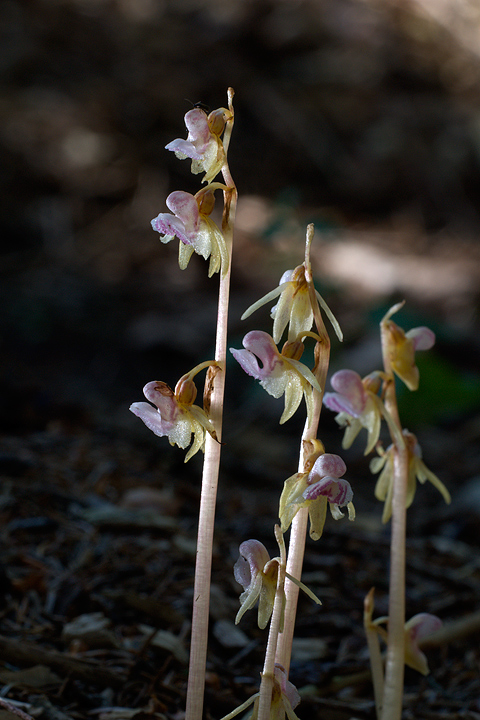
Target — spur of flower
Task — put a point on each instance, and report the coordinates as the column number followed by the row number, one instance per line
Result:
column 173, row 414
column 278, row 373
column 192, row 225
column 203, row 144
column 401, row 347
column 323, row 485
column 357, row 404
column 294, row 306
column 417, row 470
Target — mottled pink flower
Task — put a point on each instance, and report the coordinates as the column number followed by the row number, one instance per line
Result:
column 277, row 373
column 202, row 145
column 195, row 230
column 257, row 574
column 174, row 415
column 316, row 489
column 357, row 406
column 417, row 628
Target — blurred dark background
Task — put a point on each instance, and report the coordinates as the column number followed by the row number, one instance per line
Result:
column 361, row 116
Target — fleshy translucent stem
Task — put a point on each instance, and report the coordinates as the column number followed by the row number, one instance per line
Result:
column 298, row 532
column 395, row 663
column 214, row 397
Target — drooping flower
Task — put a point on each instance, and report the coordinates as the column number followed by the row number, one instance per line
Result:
column 174, row 415
column 280, row 372
column 294, row 307
column 323, row 485
column 357, row 404
column 416, row 629
column 192, row 225
column 417, row 470
column 203, row 144
column 258, row 576
column 401, row 347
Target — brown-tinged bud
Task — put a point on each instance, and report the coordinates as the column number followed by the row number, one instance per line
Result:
column 216, row 121
column 186, row 391
column 293, row 350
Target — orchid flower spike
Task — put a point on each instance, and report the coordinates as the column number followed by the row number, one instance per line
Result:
column 357, row 404
column 203, row 144
column 323, row 485
column 417, row 470
column 192, row 225
column 416, row 629
column 174, row 415
column 294, row 307
column 401, row 347
column 280, row 372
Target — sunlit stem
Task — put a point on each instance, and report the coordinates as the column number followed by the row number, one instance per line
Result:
column 298, row 532
column 395, row 663
column 203, row 567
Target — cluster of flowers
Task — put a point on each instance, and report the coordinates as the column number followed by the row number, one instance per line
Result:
column 358, row 402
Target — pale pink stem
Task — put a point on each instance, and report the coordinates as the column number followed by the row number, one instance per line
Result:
column 395, row 662
column 206, row 519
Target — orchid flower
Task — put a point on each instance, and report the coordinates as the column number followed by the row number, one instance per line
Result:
column 401, row 347
column 174, row 415
column 192, row 225
column 357, row 404
column 258, row 576
column 285, row 698
column 294, row 306
column 203, row 144
column 280, row 372
column 417, row 629
column 316, row 489
column 417, row 470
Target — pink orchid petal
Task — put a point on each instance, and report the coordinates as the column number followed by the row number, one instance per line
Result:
column 253, row 558
column 422, row 625
column 287, row 688
column 422, row 337
column 260, row 345
column 165, row 401
column 327, row 464
column 152, row 418
column 184, row 147
column 184, row 206
column 338, row 492
column 198, row 129
column 349, row 386
column 169, row 225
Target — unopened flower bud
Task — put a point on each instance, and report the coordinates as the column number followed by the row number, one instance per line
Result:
column 205, row 201
column 216, row 121
column 293, row 350
column 186, row 391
